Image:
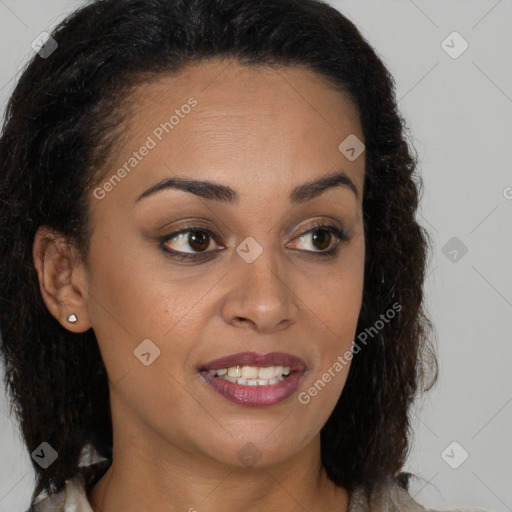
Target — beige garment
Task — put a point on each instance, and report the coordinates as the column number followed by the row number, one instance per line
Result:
column 390, row 498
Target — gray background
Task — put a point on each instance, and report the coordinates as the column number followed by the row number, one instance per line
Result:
column 459, row 111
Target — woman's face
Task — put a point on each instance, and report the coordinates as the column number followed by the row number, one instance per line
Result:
column 253, row 277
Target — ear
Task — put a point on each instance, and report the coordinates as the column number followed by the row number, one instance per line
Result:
column 62, row 278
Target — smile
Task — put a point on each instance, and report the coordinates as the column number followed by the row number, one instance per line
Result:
column 254, row 380
column 252, row 375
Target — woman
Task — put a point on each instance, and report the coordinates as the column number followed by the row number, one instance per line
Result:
column 211, row 272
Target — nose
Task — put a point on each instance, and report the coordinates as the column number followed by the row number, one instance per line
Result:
column 262, row 295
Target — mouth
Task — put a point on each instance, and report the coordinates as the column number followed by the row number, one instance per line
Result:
column 252, row 379
column 252, row 375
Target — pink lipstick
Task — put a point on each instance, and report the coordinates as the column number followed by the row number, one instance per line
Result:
column 254, row 380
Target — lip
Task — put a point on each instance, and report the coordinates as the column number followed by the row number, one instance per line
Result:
column 254, row 396
column 296, row 364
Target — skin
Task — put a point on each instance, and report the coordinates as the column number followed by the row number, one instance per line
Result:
column 261, row 131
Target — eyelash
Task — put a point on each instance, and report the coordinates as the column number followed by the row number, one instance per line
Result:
column 338, row 233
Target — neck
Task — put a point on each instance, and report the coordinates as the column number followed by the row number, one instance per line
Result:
column 151, row 471
column 149, row 476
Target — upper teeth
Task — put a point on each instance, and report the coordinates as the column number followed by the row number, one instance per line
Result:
column 252, row 372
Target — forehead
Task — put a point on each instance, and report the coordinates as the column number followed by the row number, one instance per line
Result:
column 284, row 123
column 224, row 87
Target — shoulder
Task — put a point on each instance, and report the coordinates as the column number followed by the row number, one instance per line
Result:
column 390, row 497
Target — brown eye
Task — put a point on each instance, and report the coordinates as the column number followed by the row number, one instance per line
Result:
column 193, row 242
column 198, row 240
column 323, row 239
column 188, row 242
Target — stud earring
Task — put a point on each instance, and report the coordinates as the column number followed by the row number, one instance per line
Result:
column 72, row 318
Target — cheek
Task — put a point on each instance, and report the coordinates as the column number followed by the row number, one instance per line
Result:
column 336, row 298
column 121, row 305
column 320, row 392
column 336, row 306
column 134, row 297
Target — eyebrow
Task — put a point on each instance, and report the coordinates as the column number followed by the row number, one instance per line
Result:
column 218, row 192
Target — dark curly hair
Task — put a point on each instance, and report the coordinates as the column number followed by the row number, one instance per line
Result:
column 62, row 126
